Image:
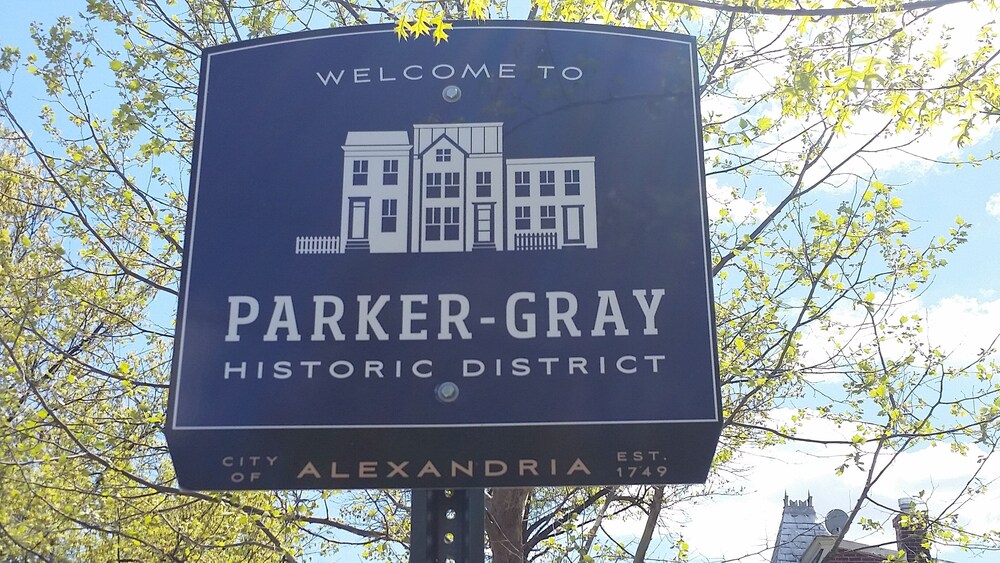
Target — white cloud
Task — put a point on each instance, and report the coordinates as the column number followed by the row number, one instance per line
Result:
column 962, row 326
column 863, row 150
column 740, row 209
column 993, row 205
column 850, row 336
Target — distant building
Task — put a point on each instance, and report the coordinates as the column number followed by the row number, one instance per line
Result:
column 798, row 528
column 451, row 190
column 802, row 538
column 847, row 552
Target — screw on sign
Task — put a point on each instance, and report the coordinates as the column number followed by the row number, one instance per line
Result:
column 451, row 93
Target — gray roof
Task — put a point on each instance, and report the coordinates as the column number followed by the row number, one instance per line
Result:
column 798, row 528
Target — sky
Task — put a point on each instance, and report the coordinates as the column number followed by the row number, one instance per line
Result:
column 963, row 310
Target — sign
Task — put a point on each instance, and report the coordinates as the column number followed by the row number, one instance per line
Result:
column 474, row 264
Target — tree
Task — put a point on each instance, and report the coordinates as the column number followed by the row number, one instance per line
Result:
column 810, row 244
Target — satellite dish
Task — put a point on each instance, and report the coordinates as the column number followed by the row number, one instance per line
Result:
column 835, row 521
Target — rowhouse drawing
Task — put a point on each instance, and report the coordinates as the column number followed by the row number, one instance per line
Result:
column 451, row 190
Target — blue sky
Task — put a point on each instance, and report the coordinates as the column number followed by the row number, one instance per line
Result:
column 943, row 193
column 964, row 302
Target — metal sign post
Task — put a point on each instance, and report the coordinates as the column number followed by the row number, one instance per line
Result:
column 447, row 526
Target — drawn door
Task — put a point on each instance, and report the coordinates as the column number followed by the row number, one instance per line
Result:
column 573, row 225
column 484, row 224
column 357, row 228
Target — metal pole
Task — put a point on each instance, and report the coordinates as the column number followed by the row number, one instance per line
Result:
column 447, row 525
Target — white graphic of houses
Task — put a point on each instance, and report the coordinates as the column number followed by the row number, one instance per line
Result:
column 452, row 191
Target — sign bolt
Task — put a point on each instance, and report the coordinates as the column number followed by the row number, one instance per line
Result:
column 447, row 392
column 451, row 93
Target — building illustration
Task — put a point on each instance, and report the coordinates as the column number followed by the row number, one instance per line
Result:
column 449, row 189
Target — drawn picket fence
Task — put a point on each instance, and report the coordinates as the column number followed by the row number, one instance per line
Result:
column 535, row 241
column 317, row 245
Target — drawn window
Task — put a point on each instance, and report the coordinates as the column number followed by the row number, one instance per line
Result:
column 572, row 182
column 390, row 172
column 433, row 184
column 389, row 215
column 442, row 155
column 484, row 181
column 522, row 218
column 360, row 173
column 451, row 184
column 547, row 182
column 548, row 217
column 451, row 224
column 522, row 184
column 432, row 220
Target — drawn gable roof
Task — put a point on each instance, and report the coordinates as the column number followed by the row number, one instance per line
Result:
column 443, row 139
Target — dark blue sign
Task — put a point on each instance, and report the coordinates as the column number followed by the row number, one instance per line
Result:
column 479, row 263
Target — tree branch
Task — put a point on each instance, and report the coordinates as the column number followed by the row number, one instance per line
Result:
column 818, row 12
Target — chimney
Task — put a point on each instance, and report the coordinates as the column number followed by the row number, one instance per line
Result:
column 911, row 534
